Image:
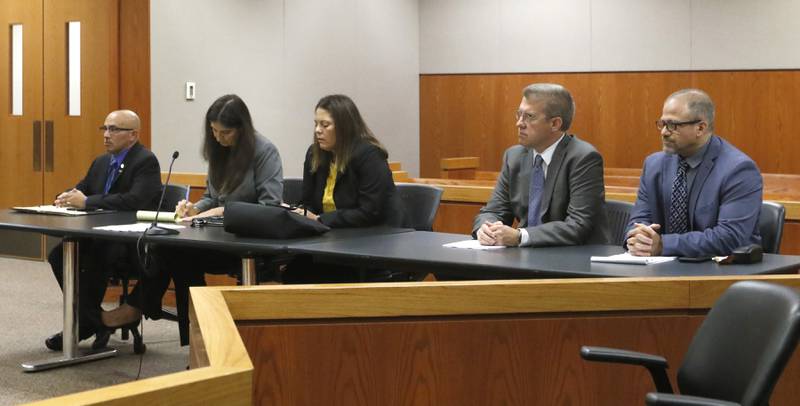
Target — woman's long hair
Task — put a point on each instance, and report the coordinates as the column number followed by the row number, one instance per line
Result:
column 228, row 165
column 350, row 130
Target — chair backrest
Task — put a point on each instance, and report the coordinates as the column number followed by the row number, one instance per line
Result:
column 770, row 226
column 618, row 214
column 420, row 203
column 172, row 195
column 743, row 345
column 292, row 190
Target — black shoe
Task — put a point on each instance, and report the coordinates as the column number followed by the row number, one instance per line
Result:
column 55, row 342
column 101, row 339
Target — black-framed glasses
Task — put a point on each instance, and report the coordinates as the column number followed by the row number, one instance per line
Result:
column 673, row 125
column 113, row 129
column 526, row 117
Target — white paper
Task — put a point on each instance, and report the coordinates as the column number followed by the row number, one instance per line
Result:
column 471, row 245
column 627, row 258
column 50, row 209
column 136, row 227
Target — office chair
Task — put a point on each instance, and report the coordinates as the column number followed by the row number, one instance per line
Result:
column 737, row 354
column 420, row 203
column 292, row 190
column 618, row 213
column 770, row 226
column 130, row 267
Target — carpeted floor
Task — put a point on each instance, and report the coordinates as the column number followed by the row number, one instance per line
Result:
column 31, row 309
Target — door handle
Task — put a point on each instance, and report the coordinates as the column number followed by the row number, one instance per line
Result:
column 37, row 146
column 48, row 146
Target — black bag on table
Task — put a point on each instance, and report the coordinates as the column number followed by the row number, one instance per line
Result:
column 257, row 220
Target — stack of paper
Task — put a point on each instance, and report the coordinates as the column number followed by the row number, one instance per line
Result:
column 136, row 228
column 626, row 258
column 50, row 209
column 146, row 215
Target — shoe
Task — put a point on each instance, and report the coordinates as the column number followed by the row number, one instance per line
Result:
column 55, row 342
column 122, row 316
column 101, row 338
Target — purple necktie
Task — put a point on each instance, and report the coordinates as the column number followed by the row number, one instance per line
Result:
column 679, row 206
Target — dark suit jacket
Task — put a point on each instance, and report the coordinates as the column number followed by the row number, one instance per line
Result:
column 137, row 186
column 572, row 204
column 724, row 203
column 364, row 193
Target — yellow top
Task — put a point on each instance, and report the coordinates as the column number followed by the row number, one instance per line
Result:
column 328, row 205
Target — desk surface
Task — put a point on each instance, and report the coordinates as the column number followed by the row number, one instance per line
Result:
column 215, row 238
column 421, row 250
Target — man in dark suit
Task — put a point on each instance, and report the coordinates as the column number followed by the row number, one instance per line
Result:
column 551, row 183
column 700, row 196
column 127, row 177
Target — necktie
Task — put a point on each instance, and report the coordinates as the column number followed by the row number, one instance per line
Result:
column 112, row 173
column 679, row 207
column 535, row 197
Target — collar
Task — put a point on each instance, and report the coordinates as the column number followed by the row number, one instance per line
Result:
column 697, row 158
column 120, row 157
column 547, row 154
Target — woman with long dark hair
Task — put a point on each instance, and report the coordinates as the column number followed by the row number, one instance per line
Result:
column 243, row 166
column 346, row 183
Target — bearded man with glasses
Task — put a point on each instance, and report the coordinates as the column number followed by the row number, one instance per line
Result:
column 127, row 177
column 699, row 196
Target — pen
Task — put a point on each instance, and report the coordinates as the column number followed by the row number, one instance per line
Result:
column 187, row 194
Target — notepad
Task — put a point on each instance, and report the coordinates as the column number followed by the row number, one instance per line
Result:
column 59, row 211
column 627, row 258
column 165, row 216
column 471, row 245
column 136, row 227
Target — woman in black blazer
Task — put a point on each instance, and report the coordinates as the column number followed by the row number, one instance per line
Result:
column 346, row 182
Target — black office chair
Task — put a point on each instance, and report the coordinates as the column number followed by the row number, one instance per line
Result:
column 618, row 213
column 292, row 190
column 770, row 226
column 420, row 203
column 129, row 267
column 737, row 354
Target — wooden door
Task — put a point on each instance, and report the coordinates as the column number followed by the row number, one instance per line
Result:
column 21, row 135
column 75, row 139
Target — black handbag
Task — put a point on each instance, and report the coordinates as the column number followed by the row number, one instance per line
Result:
column 257, row 220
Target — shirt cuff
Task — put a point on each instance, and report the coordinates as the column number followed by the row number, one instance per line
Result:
column 523, row 237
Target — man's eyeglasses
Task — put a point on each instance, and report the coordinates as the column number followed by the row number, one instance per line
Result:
column 526, row 117
column 673, row 125
column 113, row 129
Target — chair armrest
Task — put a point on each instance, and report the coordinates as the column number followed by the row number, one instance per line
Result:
column 668, row 399
column 656, row 365
column 603, row 354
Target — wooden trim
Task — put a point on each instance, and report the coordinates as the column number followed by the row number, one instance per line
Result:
column 194, row 180
column 395, row 166
column 224, row 371
column 465, row 162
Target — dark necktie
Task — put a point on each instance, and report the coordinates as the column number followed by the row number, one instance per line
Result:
column 535, row 197
column 679, row 207
column 111, row 175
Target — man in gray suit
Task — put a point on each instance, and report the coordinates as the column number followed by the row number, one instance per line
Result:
column 551, row 183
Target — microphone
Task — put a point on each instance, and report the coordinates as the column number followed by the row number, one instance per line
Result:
column 154, row 229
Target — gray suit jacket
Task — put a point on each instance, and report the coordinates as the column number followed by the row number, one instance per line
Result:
column 574, row 195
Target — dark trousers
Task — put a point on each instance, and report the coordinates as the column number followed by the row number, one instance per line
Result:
column 185, row 267
column 94, row 260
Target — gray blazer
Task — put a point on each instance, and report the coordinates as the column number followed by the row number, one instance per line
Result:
column 574, row 195
column 262, row 184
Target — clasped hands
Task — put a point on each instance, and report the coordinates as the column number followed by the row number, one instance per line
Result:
column 72, row 198
column 644, row 240
column 497, row 233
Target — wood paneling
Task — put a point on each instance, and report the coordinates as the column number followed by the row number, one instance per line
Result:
column 134, row 66
column 471, row 115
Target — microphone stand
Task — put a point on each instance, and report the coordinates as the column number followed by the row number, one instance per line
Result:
column 154, row 229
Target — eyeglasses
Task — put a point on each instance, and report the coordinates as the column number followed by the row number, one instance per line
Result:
column 113, row 129
column 673, row 125
column 526, row 117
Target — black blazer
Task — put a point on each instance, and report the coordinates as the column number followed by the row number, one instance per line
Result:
column 137, row 186
column 364, row 193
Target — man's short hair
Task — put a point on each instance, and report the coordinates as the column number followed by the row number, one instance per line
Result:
column 698, row 103
column 558, row 101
